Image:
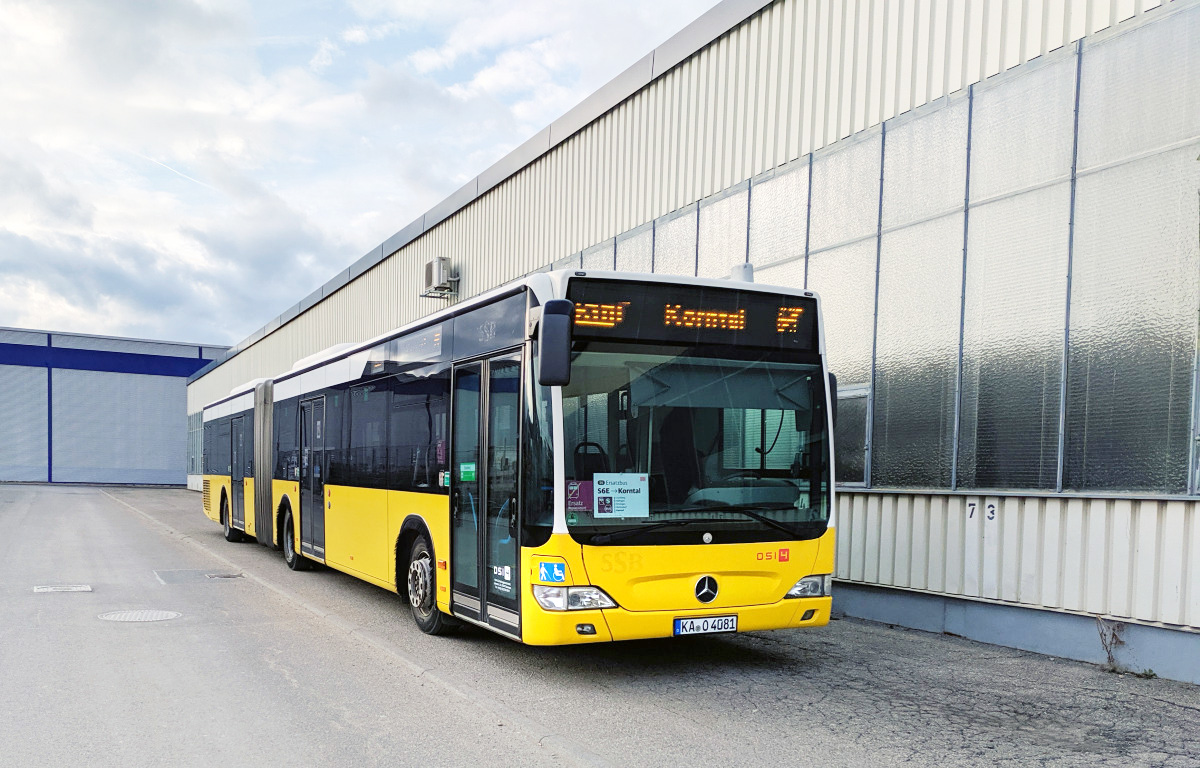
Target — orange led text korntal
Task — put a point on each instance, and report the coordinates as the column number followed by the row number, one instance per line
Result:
column 679, row 317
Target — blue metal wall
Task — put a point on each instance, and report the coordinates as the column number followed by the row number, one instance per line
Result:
column 94, row 409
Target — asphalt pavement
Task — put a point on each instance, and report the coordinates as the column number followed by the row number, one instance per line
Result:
column 265, row 666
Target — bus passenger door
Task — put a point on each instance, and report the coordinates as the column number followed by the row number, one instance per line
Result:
column 483, row 492
column 465, row 491
column 237, row 471
column 312, row 477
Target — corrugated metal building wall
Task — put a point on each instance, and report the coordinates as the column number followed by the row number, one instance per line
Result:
column 748, row 87
column 93, row 409
column 1008, row 257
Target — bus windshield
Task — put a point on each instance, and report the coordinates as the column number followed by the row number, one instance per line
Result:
column 667, row 443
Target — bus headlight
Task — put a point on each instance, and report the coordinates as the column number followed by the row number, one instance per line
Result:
column 812, row 586
column 571, row 598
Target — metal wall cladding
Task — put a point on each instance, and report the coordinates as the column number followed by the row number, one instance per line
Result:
column 119, row 428
column 1140, row 91
column 195, row 464
column 723, row 229
column 600, row 256
column 779, row 215
column 789, row 274
column 925, row 165
column 635, row 250
column 1016, row 294
column 916, row 368
column 844, row 278
column 675, row 243
column 845, row 194
column 1023, row 129
column 1134, row 295
column 794, row 77
column 850, row 446
column 23, row 412
column 1122, row 558
column 135, row 346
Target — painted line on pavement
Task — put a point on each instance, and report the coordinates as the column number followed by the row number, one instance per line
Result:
column 560, row 746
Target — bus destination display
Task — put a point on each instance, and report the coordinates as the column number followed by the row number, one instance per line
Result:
column 658, row 312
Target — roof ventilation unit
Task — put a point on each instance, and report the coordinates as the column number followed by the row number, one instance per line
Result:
column 439, row 283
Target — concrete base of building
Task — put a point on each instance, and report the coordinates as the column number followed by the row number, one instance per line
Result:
column 195, row 482
column 1134, row 648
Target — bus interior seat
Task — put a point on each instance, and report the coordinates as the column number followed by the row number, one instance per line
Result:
column 589, row 458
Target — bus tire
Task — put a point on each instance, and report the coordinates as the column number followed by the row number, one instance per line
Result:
column 422, row 589
column 231, row 534
column 291, row 555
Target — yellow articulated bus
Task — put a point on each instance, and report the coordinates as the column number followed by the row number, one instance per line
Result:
column 574, row 457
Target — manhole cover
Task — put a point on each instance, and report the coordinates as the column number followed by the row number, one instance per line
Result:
column 140, row 615
column 63, row 588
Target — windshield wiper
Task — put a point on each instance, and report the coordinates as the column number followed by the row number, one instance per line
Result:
column 624, row 533
column 742, row 509
column 748, row 511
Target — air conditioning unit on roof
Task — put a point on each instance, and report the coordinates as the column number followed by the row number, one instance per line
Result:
column 439, row 282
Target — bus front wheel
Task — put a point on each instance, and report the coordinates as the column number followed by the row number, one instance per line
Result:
column 422, row 589
column 294, row 559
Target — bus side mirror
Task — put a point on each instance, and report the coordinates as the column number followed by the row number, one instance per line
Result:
column 833, row 397
column 554, row 344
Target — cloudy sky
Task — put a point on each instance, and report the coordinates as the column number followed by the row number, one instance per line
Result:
column 187, row 169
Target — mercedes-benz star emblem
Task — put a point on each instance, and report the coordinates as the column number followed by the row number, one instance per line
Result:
column 706, row 589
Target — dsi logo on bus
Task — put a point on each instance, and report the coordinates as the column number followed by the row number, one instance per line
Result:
column 781, row 556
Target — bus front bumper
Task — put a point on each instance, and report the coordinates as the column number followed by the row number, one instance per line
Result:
column 563, row 627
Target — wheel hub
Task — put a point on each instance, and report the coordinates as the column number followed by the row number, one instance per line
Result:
column 420, row 582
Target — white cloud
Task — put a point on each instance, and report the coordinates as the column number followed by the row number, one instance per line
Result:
column 324, row 56
column 188, row 170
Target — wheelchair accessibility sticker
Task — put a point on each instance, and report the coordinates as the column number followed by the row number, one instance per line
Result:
column 551, row 571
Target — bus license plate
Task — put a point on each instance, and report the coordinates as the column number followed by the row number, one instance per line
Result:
column 705, row 625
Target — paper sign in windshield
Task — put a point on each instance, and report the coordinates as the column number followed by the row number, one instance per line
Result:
column 579, row 495
column 619, row 494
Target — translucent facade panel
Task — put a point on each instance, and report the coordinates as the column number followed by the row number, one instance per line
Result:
column 722, row 238
column 789, row 274
column 845, row 194
column 675, row 243
column 916, row 368
column 925, row 165
column 1016, row 297
column 1023, row 130
column 119, row 428
column 569, row 262
column 1140, row 91
column 599, row 256
column 635, row 250
column 23, row 413
column 779, row 216
column 1135, row 293
column 844, row 278
column 850, row 440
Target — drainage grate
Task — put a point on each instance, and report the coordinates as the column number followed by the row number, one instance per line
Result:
column 145, row 615
column 224, row 575
column 63, row 588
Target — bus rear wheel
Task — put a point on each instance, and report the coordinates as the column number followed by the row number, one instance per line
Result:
column 422, row 590
column 231, row 533
column 294, row 559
